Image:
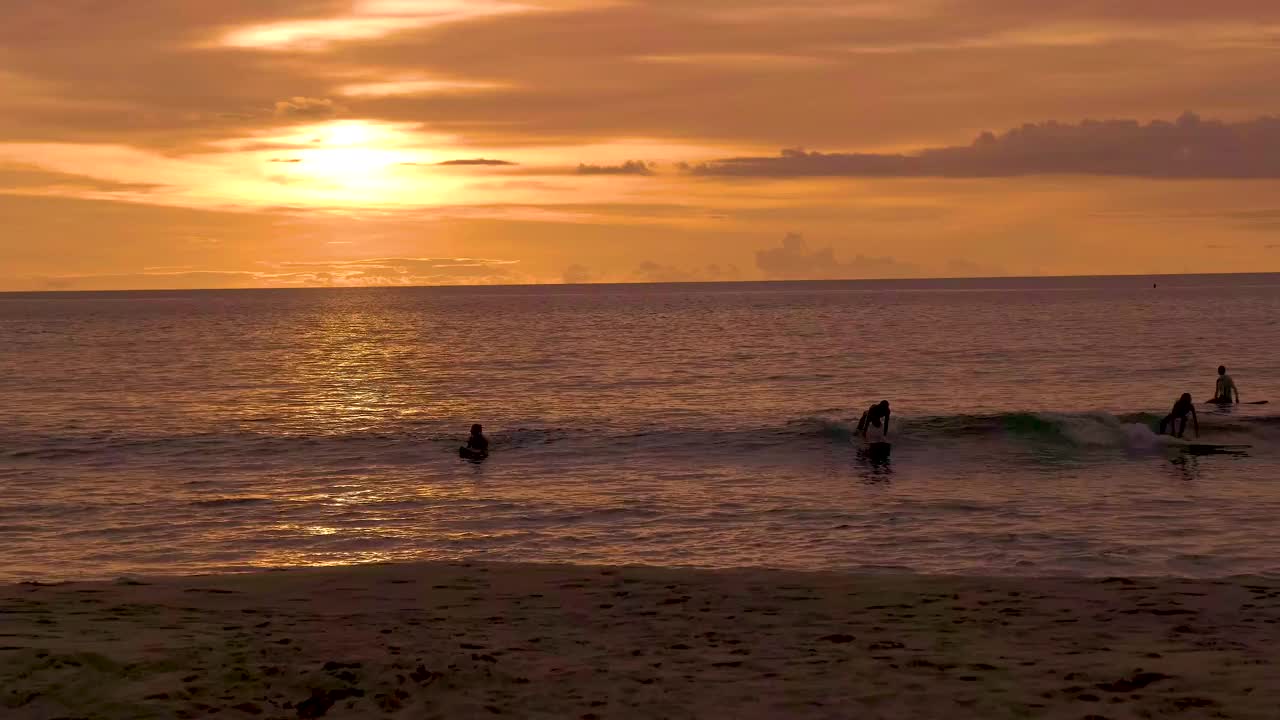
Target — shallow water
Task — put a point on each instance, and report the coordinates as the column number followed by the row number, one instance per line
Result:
column 700, row 425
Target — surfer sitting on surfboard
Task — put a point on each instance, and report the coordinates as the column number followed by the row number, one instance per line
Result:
column 873, row 416
column 477, row 447
column 1224, row 388
column 1176, row 420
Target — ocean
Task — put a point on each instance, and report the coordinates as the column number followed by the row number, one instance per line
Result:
column 698, row 425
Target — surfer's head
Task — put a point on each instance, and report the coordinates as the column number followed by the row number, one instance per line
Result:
column 477, row 429
column 1222, row 369
column 884, row 404
column 1186, row 397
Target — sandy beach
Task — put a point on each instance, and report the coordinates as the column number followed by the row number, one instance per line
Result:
column 476, row 640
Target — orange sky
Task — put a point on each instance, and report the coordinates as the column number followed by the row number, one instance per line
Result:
column 248, row 143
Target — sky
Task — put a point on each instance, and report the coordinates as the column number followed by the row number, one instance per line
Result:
column 285, row 143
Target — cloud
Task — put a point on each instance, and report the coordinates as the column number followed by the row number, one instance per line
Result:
column 1189, row 147
column 153, row 280
column 306, row 108
column 476, row 161
column 85, row 81
column 396, row 271
column 1255, row 220
column 630, row 167
column 650, row 271
column 368, row 20
column 372, row 272
column 793, row 260
column 181, row 75
column 654, row 272
column 577, row 275
column 30, row 178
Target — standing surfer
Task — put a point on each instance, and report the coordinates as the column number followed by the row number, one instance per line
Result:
column 1176, row 420
column 1222, row 391
column 873, row 417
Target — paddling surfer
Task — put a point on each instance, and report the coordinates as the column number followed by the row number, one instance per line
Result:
column 1176, row 420
column 1225, row 388
column 873, row 417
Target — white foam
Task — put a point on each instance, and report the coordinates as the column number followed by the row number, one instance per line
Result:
column 1105, row 430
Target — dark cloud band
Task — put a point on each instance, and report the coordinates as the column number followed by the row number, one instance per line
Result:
column 1189, row 147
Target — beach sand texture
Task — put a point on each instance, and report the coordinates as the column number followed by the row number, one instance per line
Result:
column 477, row 640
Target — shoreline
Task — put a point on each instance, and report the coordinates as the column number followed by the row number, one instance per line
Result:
column 470, row 639
column 870, row 572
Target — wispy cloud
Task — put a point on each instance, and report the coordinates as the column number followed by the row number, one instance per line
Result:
column 30, row 178
column 306, row 108
column 476, row 161
column 366, row 20
column 752, row 62
column 631, row 167
column 372, row 272
column 391, row 88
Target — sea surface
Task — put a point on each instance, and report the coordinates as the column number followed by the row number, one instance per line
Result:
column 705, row 425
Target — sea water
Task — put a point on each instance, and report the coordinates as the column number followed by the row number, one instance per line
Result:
column 679, row 425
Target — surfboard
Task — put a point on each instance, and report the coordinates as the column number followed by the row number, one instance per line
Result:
column 1212, row 449
column 879, row 450
column 1228, row 404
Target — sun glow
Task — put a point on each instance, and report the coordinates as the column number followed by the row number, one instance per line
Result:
column 352, row 162
column 348, row 167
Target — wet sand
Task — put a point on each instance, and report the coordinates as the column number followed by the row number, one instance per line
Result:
column 476, row 641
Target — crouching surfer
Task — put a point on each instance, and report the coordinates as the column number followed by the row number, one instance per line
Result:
column 477, row 447
column 1176, row 421
column 873, row 417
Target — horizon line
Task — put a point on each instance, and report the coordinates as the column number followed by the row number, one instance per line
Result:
column 635, row 283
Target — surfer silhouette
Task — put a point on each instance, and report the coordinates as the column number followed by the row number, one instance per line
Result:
column 873, row 417
column 1176, row 420
column 477, row 447
column 1224, row 388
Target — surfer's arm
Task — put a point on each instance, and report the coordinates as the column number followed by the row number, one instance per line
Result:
column 886, row 425
column 862, row 425
column 1195, row 419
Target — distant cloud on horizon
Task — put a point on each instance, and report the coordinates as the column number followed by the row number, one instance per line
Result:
column 656, row 272
column 577, row 275
column 793, row 260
